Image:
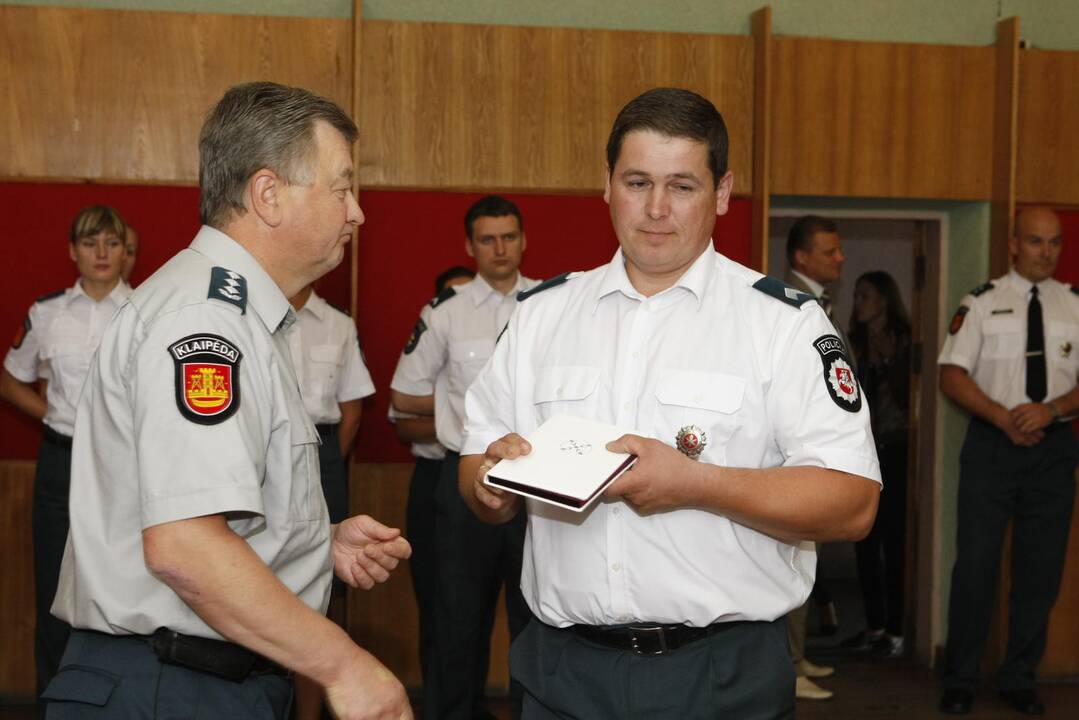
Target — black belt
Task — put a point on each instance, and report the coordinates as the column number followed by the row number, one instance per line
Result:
column 56, row 438
column 327, row 429
column 215, row 657
column 648, row 638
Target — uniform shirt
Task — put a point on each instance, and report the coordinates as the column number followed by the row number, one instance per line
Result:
column 453, row 339
column 988, row 338
column 58, row 339
column 326, row 356
column 427, row 451
column 714, row 353
column 191, row 408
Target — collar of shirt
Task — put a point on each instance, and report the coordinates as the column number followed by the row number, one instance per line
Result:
column 812, row 284
column 116, row 296
column 263, row 294
column 696, row 279
column 481, row 291
column 1023, row 286
column 314, row 305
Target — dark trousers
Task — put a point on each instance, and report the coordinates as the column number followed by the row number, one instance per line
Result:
column 1034, row 487
column 881, row 555
column 52, row 481
column 474, row 561
column 420, row 526
column 334, row 472
column 743, row 672
column 117, row 677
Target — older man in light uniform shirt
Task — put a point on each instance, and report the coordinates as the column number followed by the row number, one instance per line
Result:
column 1011, row 360
column 200, row 556
column 667, row 598
column 452, row 340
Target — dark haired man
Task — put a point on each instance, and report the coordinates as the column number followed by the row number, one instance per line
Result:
column 56, row 342
column 452, row 340
column 1011, row 359
column 198, row 566
column 667, row 598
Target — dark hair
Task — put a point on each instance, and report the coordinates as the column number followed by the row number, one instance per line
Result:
column 802, row 231
column 673, row 112
column 97, row 218
column 896, row 319
column 452, row 273
column 254, row 126
column 491, row 206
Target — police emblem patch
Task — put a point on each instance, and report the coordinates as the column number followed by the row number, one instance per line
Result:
column 414, row 338
column 20, row 333
column 957, row 319
column 838, row 375
column 207, row 377
column 691, row 441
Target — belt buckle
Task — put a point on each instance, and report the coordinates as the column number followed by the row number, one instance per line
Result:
column 637, row 634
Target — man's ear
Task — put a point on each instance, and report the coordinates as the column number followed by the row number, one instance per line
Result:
column 71, row 252
column 723, row 193
column 468, row 248
column 266, row 196
column 606, row 183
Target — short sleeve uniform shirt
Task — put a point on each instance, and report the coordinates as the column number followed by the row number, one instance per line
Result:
column 453, row 339
column 192, row 408
column 988, row 337
column 756, row 372
column 326, row 356
column 57, row 340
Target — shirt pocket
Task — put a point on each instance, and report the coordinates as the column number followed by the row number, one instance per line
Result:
column 1003, row 337
column 568, row 390
column 1062, row 345
column 324, row 371
column 701, row 403
column 68, row 361
column 306, row 502
column 467, row 358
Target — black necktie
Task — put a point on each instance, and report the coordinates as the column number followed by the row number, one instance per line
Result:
column 1035, row 349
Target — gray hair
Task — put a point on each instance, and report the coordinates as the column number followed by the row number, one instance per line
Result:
column 255, row 126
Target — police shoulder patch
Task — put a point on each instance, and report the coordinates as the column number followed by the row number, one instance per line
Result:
column 207, row 376
column 50, row 296
column 957, row 319
column 21, row 332
column 545, row 285
column 442, row 297
column 414, row 338
column 228, row 286
column 983, row 288
column 782, row 291
column 839, row 379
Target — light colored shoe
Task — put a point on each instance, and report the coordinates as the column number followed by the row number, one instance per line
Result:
column 806, row 689
column 812, row 670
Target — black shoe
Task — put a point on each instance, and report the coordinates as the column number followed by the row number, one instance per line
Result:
column 956, row 701
column 1025, row 701
column 861, row 640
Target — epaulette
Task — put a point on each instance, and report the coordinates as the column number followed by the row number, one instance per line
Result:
column 228, row 286
column 983, row 288
column 50, row 296
column 782, row 291
column 1075, row 289
column 442, row 297
column 545, row 285
column 339, row 309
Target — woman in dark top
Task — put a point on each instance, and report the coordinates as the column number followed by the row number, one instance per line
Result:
column 880, row 342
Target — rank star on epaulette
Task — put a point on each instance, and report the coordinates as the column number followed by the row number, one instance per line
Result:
column 207, row 377
column 782, row 291
column 839, row 377
column 228, row 286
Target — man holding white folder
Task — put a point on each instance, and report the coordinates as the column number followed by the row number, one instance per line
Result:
column 667, row 597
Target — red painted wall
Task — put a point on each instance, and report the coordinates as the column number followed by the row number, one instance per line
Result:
column 407, row 239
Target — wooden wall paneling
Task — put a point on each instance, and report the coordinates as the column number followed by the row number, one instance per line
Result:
column 1005, row 134
column 481, row 107
column 1048, row 144
column 16, row 581
column 762, row 117
column 881, row 119
column 120, row 95
column 357, row 100
column 384, row 620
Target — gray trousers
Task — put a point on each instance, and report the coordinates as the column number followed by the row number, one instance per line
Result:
column 117, row 677
column 742, row 673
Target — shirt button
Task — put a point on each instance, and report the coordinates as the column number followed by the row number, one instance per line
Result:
column 616, row 510
column 558, row 392
column 628, row 406
column 636, row 355
column 616, row 567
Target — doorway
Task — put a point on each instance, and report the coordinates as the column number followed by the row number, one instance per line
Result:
column 908, row 245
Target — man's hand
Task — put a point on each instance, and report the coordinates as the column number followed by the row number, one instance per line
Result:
column 662, row 479
column 367, row 690
column 489, row 503
column 1031, row 417
column 1005, row 420
column 365, row 551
